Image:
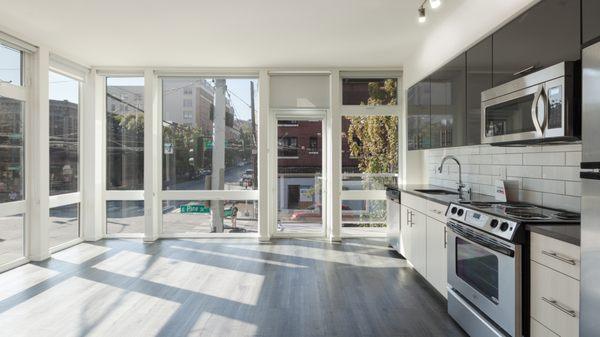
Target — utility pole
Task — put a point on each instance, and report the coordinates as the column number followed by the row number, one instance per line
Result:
column 254, row 135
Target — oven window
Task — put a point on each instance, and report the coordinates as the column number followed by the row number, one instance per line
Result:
column 477, row 267
column 509, row 117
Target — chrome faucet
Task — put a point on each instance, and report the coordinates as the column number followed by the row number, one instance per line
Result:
column 464, row 194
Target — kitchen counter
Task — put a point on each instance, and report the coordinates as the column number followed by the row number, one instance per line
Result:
column 567, row 233
column 445, row 199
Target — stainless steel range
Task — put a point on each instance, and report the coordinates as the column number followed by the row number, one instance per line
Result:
column 485, row 263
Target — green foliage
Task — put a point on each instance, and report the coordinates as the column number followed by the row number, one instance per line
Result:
column 374, row 139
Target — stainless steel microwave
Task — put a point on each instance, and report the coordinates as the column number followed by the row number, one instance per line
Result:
column 535, row 108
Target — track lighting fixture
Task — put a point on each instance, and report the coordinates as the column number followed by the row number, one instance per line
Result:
column 422, row 17
column 433, row 4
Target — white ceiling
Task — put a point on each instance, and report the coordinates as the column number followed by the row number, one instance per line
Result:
column 224, row 33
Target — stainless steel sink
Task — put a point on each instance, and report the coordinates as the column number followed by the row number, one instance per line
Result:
column 436, row 191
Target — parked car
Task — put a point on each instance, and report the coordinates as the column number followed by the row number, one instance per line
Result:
column 313, row 213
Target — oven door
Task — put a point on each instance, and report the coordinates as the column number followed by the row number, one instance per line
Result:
column 486, row 272
column 518, row 116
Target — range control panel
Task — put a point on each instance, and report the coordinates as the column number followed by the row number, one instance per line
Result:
column 500, row 227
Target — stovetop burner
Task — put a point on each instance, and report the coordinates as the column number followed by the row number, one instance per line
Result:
column 568, row 216
column 526, row 215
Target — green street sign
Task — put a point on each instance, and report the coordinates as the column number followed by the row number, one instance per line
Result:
column 194, row 209
column 208, row 144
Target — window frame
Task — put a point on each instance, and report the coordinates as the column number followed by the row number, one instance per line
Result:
column 202, row 195
column 116, row 195
column 22, row 93
column 61, row 67
column 365, row 111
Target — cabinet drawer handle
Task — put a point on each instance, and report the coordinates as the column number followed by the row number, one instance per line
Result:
column 436, row 211
column 558, row 257
column 555, row 304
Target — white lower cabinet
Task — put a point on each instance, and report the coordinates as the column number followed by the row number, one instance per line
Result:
column 554, row 287
column 423, row 240
column 437, row 264
column 418, row 237
column 538, row 330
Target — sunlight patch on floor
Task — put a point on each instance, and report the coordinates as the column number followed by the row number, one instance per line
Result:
column 228, row 284
column 98, row 308
column 80, row 253
column 23, row 278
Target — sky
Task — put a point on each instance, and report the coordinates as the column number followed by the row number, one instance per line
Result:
column 64, row 88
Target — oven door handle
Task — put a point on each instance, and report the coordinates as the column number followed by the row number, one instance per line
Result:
column 482, row 241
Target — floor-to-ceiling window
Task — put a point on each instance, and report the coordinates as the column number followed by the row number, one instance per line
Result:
column 370, row 136
column 13, row 96
column 124, row 155
column 64, row 144
column 209, row 155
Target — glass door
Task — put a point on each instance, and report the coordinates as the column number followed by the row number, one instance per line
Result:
column 300, row 176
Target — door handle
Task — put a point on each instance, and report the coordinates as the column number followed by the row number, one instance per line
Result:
column 558, row 257
column 540, row 93
column 555, row 304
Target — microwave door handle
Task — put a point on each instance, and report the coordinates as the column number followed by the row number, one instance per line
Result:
column 546, row 101
column 534, row 110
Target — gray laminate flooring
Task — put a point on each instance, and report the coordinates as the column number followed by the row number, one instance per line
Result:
column 222, row 287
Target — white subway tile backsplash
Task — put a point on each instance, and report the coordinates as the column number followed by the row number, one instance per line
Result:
column 531, row 197
column 544, row 159
column 547, row 175
column 561, row 148
column 569, row 173
column 573, row 188
column 573, row 158
column 542, row 185
column 507, row 159
column 561, row 202
column 524, row 171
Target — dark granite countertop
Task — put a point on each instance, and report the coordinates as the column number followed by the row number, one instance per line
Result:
column 445, row 199
column 570, row 233
column 567, row 233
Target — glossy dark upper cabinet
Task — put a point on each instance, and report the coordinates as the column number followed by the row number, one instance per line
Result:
column 418, row 116
column 479, row 78
column 590, row 16
column 448, row 112
column 546, row 34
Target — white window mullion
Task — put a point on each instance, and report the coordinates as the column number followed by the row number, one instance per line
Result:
column 37, row 158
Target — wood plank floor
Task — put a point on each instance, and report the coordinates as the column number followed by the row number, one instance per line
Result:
column 214, row 287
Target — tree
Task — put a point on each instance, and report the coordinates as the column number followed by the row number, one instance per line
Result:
column 374, row 139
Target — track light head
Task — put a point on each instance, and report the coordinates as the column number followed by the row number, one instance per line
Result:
column 422, row 17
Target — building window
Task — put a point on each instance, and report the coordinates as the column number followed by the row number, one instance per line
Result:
column 187, row 90
column 11, row 233
column 313, row 145
column 370, row 91
column 11, row 65
column 125, row 133
column 288, row 147
column 187, row 115
column 64, row 134
column 187, row 103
